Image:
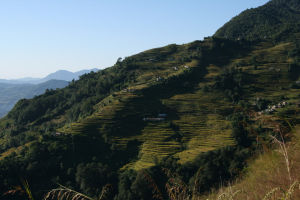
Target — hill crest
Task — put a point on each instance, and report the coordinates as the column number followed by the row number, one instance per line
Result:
column 271, row 20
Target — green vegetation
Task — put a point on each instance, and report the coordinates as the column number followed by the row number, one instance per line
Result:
column 183, row 118
column 275, row 21
column 267, row 176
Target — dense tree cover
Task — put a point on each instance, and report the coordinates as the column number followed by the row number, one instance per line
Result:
column 231, row 82
column 272, row 20
column 294, row 70
column 91, row 177
column 54, row 161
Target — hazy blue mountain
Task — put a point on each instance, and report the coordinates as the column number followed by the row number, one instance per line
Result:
column 58, row 75
column 66, row 75
column 26, row 80
column 11, row 93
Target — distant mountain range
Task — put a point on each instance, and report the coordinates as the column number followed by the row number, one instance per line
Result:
column 10, row 94
column 11, row 91
column 58, row 75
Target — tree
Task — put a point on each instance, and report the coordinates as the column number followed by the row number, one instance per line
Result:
column 91, row 177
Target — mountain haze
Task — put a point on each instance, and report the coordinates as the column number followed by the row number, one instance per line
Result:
column 11, row 93
column 66, row 75
column 58, row 75
column 14, row 90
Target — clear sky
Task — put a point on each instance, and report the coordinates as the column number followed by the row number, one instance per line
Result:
column 38, row 37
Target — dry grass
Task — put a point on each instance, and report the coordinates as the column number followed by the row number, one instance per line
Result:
column 64, row 193
column 272, row 176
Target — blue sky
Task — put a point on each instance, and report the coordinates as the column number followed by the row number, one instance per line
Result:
column 38, row 37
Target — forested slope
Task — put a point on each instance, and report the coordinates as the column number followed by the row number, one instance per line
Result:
column 275, row 20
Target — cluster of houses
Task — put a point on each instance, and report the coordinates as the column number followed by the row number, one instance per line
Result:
column 158, row 78
column 177, row 68
column 274, row 69
column 273, row 108
column 160, row 117
column 151, row 59
column 57, row 134
column 128, row 90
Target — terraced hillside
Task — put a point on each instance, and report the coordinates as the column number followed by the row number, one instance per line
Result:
column 188, row 128
column 196, row 120
column 176, row 105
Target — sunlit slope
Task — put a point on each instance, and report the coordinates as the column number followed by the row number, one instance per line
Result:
column 179, row 82
column 196, row 119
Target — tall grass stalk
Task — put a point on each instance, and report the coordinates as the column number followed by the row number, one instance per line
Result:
column 283, row 150
column 288, row 194
column 271, row 193
column 27, row 189
column 64, row 193
column 229, row 194
column 106, row 190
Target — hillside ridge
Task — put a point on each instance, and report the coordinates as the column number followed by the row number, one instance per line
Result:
column 271, row 20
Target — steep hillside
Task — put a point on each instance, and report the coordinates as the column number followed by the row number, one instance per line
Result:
column 194, row 90
column 146, row 108
column 11, row 93
column 178, row 118
column 272, row 20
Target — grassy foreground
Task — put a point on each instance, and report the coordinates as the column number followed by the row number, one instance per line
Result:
column 273, row 175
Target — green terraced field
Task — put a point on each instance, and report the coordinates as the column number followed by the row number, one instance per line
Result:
column 199, row 123
column 201, row 126
column 198, row 129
